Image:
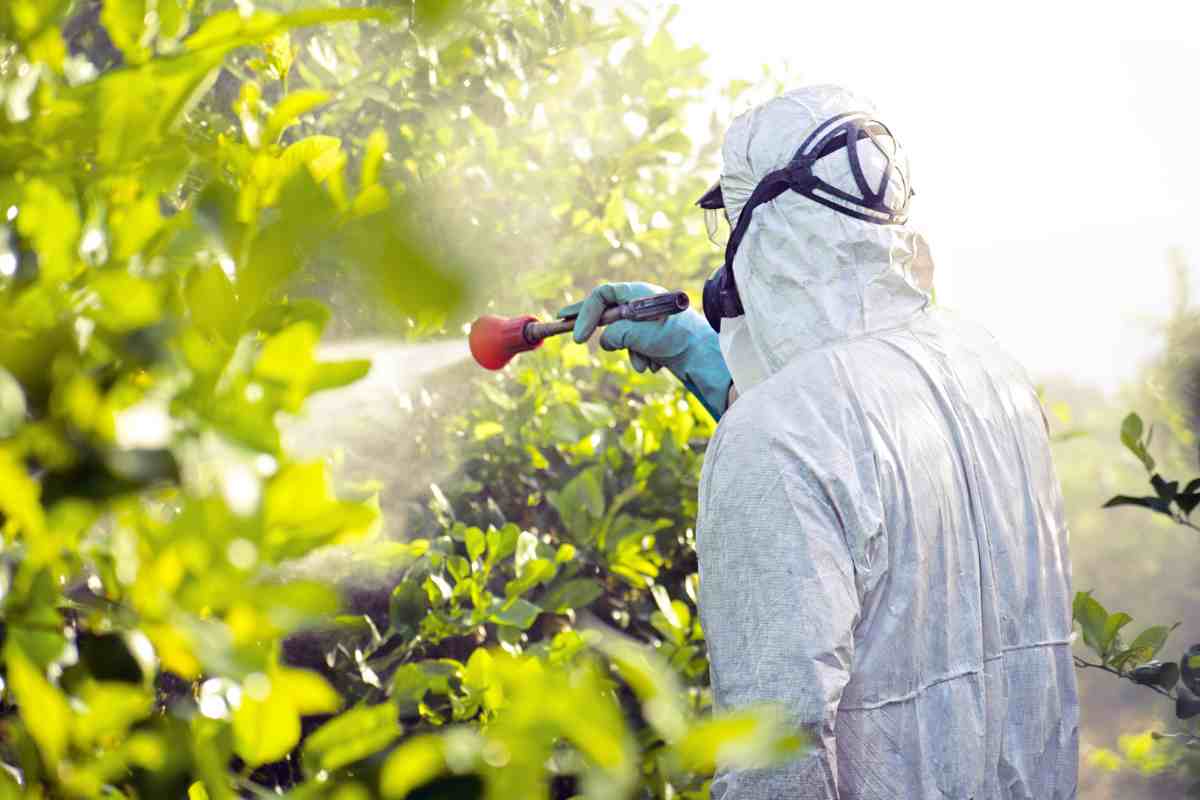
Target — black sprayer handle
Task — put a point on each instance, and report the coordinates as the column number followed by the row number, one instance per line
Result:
column 643, row 309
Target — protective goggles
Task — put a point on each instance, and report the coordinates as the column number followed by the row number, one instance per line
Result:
column 721, row 299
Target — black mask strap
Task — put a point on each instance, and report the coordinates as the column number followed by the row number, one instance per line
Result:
column 770, row 187
column 721, row 297
column 838, row 132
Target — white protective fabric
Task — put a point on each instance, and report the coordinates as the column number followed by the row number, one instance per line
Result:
column 881, row 538
column 740, row 354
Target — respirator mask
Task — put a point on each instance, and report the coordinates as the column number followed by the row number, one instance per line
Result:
column 844, row 131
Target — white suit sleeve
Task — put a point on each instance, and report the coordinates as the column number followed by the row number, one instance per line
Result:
column 778, row 603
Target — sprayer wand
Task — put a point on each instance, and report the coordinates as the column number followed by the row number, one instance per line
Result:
column 495, row 340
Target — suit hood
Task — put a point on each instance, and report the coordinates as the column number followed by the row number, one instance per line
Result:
column 808, row 275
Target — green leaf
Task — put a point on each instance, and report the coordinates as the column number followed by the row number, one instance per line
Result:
column 21, row 504
column 1153, row 503
column 290, row 108
column 213, row 304
column 538, row 571
column 28, row 17
column 501, row 543
column 1092, row 617
column 407, row 606
column 747, row 739
column 39, row 631
column 49, row 220
column 459, row 568
column 1165, row 489
column 289, row 353
column 415, row 762
column 1188, row 501
column 277, row 316
column 43, row 707
column 370, row 200
column 9, row 788
column 266, row 727
column 305, row 217
column 519, row 613
column 12, row 404
column 318, row 153
column 593, row 723
column 1187, row 704
column 134, row 228
column 226, row 30
column 297, row 603
column 1131, row 429
column 350, row 737
column 138, row 108
column 125, row 22
column 265, row 730
column 409, row 685
column 652, row 680
column 402, row 264
column 497, row 395
column 486, row 430
column 111, row 709
column 432, row 14
column 480, row 680
column 580, row 503
column 476, row 542
column 1149, row 642
column 567, row 424
column 1131, row 436
column 173, row 18
column 309, row 692
column 336, row 374
column 1112, row 626
column 663, row 601
column 1156, row 673
column 376, row 149
column 573, row 594
column 300, row 512
column 126, row 302
column 598, row 415
column 675, row 142
column 614, row 210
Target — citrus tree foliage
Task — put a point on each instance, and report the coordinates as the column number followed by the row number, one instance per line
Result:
column 575, row 479
column 573, row 494
column 543, row 146
column 1135, row 658
column 157, row 204
column 1141, row 562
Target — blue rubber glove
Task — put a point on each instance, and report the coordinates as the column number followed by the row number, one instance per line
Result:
column 683, row 343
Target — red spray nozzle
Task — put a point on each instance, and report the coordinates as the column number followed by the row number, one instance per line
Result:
column 495, row 340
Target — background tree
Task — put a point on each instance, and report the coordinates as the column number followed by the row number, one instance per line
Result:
column 1137, row 559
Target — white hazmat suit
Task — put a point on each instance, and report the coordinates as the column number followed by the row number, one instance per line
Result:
column 881, row 536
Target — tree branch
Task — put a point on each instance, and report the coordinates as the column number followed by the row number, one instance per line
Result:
column 1079, row 662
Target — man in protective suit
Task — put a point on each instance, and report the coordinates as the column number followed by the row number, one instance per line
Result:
column 881, row 536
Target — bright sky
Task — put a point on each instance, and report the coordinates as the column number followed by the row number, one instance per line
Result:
column 1055, row 149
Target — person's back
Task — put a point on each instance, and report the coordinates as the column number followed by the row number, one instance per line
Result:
column 945, row 653
column 881, row 538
